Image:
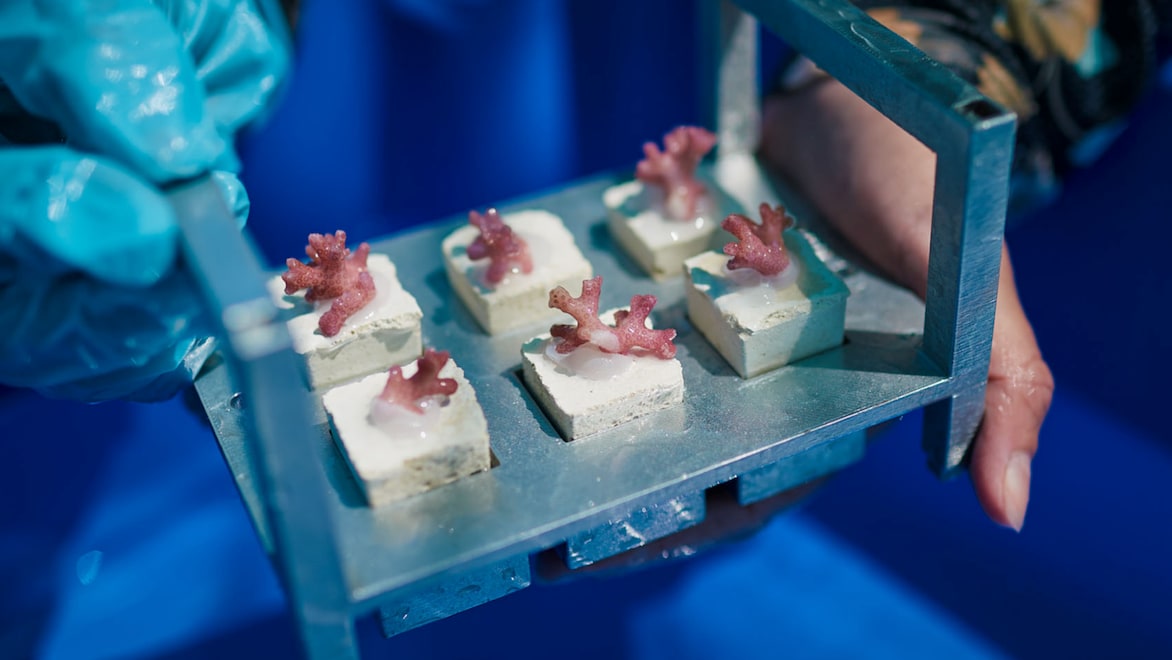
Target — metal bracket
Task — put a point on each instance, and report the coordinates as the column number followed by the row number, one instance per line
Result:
column 973, row 139
column 339, row 558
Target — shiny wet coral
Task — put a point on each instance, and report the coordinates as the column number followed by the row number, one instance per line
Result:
column 506, row 251
column 629, row 335
column 674, row 169
column 761, row 247
column 409, row 392
column 335, row 274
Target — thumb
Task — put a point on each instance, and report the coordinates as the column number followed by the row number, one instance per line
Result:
column 115, row 77
column 1017, row 398
column 85, row 211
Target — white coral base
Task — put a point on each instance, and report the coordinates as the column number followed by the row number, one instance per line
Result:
column 760, row 328
column 386, row 332
column 520, row 300
column 580, row 406
column 391, row 468
column 660, row 244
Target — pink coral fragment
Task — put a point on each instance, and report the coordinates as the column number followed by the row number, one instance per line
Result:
column 628, row 335
column 761, row 247
column 505, row 250
column 674, row 168
column 334, row 273
column 408, row 392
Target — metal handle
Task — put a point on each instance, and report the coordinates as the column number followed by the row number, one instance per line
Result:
column 257, row 346
column 973, row 139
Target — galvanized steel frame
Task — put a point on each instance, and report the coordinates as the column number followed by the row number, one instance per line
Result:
column 973, row 140
column 272, row 434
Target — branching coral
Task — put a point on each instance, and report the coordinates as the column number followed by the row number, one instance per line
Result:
column 497, row 242
column 674, row 168
column 629, row 334
column 334, row 273
column 761, row 247
column 408, row 392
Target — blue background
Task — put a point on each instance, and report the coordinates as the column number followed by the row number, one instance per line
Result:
column 122, row 534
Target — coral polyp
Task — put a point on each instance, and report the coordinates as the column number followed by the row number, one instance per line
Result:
column 761, row 247
column 409, row 392
column 333, row 273
column 506, row 251
column 629, row 335
column 674, row 169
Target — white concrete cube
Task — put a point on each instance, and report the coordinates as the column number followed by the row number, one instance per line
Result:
column 588, row 391
column 759, row 327
column 520, row 300
column 415, row 459
column 385, row 332
column 660, row 243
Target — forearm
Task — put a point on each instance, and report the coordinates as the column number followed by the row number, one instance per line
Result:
column 870, row 179
column 1070, row 70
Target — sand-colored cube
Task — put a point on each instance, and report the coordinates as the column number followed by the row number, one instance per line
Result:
column 521, row 300
column 760, row 327
column 588, row 391
column 414, row 459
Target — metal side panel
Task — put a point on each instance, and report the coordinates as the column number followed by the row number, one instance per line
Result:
column 973, row 140
column 636, row 529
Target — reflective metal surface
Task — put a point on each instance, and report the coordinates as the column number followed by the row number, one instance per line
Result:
column 637, row 528
column 432, row 600
column 259, row 351
column 340, row 558
column 545, row 490
column 815, row 462
column 728, row 73
column 973, row 139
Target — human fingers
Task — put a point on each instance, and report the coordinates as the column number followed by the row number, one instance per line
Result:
column 113, row 75
column 241, row 53
column 86, row 212
column 874, row 184
column 1017, row 397
column 90, row 305
column 77, row 337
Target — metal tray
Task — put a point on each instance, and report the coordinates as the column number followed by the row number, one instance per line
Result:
column 543, row 489
column 460, row 544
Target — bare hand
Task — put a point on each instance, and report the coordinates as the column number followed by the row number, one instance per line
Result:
column 874, row 183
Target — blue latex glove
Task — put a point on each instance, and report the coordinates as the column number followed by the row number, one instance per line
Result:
column 101, row 104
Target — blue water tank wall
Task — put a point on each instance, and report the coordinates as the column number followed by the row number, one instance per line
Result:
column 122, row 534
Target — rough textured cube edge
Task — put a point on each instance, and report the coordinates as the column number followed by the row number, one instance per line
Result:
column 665, row 263
column 473, row 450
column 751, row 353
column 525, row 304
column 629, row 397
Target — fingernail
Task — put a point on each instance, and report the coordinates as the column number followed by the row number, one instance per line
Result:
column 1015, row 489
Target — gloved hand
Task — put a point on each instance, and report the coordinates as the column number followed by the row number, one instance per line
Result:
column 101, row 105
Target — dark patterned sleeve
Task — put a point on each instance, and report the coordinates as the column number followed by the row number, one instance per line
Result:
column 1070, row 69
